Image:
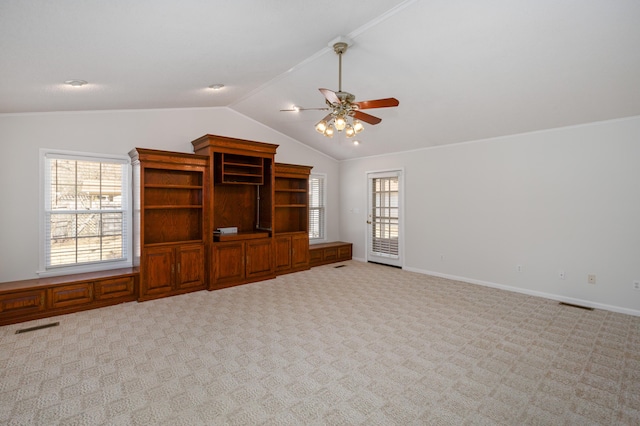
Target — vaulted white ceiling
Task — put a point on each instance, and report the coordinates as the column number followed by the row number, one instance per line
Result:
column 462, row 70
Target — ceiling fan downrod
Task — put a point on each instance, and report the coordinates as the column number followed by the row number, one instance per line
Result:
column 340, row 47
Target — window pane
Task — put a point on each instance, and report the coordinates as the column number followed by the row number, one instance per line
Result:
column 112, row 247
column 62, row 232
column 89, row 249
column 88, row 225
column 63, row 185
column 112, row 224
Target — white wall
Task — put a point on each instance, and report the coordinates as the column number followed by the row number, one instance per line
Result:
column 565, row 199
column 116, row 132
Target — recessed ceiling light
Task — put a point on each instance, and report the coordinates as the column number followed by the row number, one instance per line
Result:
column 356, row 143
column 216, row 86
column 75, row 83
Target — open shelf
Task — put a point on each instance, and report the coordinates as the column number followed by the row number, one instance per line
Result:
column 154, row 185
column 174, row 242
column 240, row 236
column 167, row 178
column 159, row 207
column 239, row 169
column 172, row 197
column 171, row 225
column 173, row 204
column 291, row 198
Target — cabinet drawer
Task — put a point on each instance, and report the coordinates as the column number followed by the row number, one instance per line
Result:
column 315, row 256
column 330, row 254
column 344, row 252
column 113, row 288
column 24, row 302
column 70, row 295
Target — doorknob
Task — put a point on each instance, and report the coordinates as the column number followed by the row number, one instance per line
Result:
column 369, row 222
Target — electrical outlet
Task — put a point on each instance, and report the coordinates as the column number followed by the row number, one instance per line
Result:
column 636, row 285
column 561, row 275
column 591, row 279
column 442, row 258
column 519, row 268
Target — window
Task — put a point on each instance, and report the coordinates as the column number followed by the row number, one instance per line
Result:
column 85, row 213
column 316, row 207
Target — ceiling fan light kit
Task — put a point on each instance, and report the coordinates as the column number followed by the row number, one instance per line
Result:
column 75, row 83
column 345, row 114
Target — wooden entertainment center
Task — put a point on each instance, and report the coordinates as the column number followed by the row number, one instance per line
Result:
column 181, row 201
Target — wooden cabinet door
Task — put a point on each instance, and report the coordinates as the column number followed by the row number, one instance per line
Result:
column 299, row 251
column 283, row 253
column 315, row 256
column 228, row 260
column 189, row 266
column 259, row 258
column 21, row 303
column 344, row 253
column 71, row 295
column 158, row 271
column 114, row 288
column 330, row 254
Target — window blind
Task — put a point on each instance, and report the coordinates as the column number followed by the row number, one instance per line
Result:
column 85, row 210
column 384, row 218
column 316, row 207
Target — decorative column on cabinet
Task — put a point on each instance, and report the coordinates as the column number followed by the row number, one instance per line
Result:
column 291, row 220
column 170, row 218
column 241, row 197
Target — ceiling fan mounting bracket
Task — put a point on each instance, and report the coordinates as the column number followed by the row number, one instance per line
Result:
column 340, row 47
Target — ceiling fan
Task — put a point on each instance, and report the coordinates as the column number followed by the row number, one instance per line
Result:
column 343, row 108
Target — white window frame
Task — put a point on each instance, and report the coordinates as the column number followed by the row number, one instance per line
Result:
column 323, row 207
column 45, row 271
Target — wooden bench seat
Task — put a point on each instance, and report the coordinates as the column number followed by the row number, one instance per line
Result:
column 324, row 253
column 44, row 297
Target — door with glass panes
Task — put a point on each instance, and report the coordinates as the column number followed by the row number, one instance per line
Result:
column 384, row 218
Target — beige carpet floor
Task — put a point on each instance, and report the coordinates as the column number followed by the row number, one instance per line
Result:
column 363, row 344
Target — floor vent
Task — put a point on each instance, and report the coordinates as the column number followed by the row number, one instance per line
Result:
column 586, row 308
column 37, row 327
column 340, row 266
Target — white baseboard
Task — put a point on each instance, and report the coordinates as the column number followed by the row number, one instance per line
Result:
column 529, row 292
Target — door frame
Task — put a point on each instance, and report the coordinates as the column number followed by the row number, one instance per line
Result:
column 401, row 222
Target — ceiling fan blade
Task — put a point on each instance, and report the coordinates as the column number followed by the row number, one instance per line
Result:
column 378, row 103
column 315, row 109
column 331, row 96
column 305, row 109
column 362, row 116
